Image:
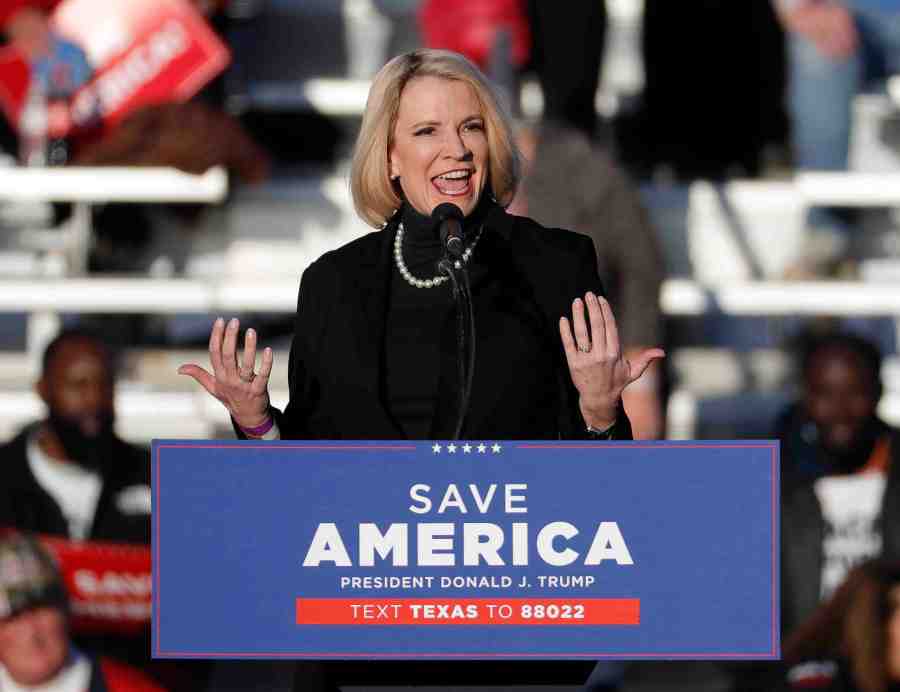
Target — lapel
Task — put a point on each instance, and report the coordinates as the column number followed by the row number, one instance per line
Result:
column 368, row 325
column 525, row 269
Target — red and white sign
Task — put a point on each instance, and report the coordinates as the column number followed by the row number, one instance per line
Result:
column 143, row 52
column 109, row 584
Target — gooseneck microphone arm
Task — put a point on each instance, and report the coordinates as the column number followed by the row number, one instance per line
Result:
column 465, row 332
column 450, row 217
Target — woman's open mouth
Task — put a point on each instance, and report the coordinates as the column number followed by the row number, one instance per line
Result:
column 453, row 183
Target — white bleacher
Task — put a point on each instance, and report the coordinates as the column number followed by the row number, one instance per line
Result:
column 142, row 414
column 111, row 184
column 726, row 248
column 29, row 191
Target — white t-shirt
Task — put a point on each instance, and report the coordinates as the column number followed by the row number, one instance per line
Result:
column 850, row 506
column 74, row 677
column 75, row 489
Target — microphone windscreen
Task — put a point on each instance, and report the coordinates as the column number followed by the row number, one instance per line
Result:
column 446, row 211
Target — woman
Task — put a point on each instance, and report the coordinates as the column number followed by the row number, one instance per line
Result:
column 374, row 356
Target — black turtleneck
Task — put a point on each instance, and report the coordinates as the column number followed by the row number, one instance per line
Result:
column 420, row 339
column 515, row 344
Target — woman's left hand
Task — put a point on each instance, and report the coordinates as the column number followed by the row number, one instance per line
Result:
column 597, row 365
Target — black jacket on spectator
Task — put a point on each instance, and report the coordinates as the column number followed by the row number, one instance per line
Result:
column 25, row 505
column 802, row 533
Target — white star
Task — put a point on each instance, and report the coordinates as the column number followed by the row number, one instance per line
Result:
column 495, row 448
column 436, row 448
column 451, row 448
column 467, row 448
column 481, row 448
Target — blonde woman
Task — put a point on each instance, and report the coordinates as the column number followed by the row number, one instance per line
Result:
column 374, row 352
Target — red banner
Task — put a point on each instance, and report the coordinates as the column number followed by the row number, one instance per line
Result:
column 109, row 584
column 142, row 52
column 468, row 611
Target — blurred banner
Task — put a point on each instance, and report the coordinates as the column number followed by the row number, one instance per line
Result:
column 108, row 584
column 107, row 59
column 491, row 549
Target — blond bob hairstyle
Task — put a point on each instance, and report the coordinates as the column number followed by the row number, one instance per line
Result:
column 375, row 196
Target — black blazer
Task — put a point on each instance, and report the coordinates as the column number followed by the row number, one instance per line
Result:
column 336, row 369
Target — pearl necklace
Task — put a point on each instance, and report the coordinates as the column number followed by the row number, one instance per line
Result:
column 434, row 281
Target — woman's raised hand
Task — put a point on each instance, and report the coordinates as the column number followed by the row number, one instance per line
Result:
column 243, row 392
column 597, row 365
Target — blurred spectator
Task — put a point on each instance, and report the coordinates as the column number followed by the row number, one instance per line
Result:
column 705, row 116
column 841, row 490
column 851, row 643
column 36, row 652
column 567, row 50
column 494, row 34
column 58, row 69
column 835, row 423
column 70, row 475
column 835, row 48
column 191, row 136
column 571, row 184
column 59, row 66
column 32, row 37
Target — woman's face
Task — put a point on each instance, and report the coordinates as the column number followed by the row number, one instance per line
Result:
column 893, row 634
column 440, row 150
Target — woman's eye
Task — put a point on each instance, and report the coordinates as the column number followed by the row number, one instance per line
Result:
column 424, row 131
column 474, row 126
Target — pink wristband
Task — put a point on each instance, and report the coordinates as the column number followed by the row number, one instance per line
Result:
column 259, row 430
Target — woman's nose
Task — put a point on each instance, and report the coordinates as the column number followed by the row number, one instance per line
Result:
column 456, row 147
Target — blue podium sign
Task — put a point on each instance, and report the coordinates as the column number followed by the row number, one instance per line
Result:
column 490, row 549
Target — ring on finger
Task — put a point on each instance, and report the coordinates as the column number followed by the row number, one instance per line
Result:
column 585, row 349
column 247, row 377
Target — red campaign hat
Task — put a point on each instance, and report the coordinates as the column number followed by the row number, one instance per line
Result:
column 9, row 7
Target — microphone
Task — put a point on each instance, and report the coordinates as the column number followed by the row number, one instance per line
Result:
column 450, row 217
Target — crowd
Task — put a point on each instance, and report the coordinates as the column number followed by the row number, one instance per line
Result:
column 70, row 476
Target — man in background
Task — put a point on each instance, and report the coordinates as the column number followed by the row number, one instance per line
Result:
column 70, row 475
column 35, row 649
column 835, row 49
column 841, row 477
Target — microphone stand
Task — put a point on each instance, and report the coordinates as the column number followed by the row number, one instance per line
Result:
column 465, row 313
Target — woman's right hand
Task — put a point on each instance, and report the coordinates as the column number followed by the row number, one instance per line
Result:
column 244, row 393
